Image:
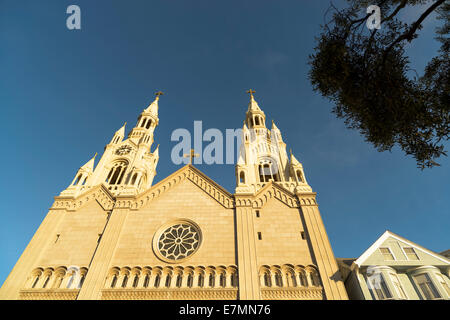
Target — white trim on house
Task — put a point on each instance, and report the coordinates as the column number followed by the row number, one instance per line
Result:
column 388, row 234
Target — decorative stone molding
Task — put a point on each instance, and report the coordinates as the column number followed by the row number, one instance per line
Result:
column 271, row 190
column 48, row 294
column 99, row 193
column 298, row 293
column 171, row 294
column 307, row 199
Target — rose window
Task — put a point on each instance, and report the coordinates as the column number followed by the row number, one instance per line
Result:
column 179, row 241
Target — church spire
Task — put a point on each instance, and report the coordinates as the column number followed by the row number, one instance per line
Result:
column 153, row 107
column 146, row 124
column 118, row 136
column 255, row 116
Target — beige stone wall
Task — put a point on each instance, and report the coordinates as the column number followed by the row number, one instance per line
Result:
column 281, row 228
column 78, row 235
column 183, row 201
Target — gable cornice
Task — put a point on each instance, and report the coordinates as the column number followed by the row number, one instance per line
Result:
column 99, row 193
column 358, row 262
column 189, row 172
column 270, row 190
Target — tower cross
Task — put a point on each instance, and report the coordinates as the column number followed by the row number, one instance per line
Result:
column 191, row 155
column 159, row 93
column 251, row 91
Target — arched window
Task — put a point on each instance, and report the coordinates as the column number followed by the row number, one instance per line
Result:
column 149, row 123
column 157, row 280
column 268, row 171
column 267, row 279
column 222, row 280
column 257, row 121
column 46, row 282
column 77, row 180
column 80, row 284
column 299, row 176
column 143, row 123
column 168, row 280
column 124, row 282
column 201, row 280
column 35, row 282
column 278, row 279
column 179, row 281
column 234, row 279
column 212, row 279
column 71, row 280
column 302, row 277
column 116, row 173
column 135, row 281
column 146, row 281
column 242, row 177
column 114, row 281
column 292, row 279
column 190, row 280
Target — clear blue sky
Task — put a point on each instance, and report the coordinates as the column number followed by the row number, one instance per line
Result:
column 64, row 93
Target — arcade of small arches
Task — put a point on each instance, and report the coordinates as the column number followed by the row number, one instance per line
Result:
column 172, row 277
column 56, row 278
column 288, row 276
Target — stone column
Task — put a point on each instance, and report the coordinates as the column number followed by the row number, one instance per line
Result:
column 321, row 247
column 246, row 247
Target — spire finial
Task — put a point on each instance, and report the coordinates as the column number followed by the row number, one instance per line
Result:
column 251, row 91
column 159, row 93
column 290, row 151
column 95, row 155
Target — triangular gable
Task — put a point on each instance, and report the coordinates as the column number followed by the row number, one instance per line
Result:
column 189, row 172
column 388, row 234
column 273, row 190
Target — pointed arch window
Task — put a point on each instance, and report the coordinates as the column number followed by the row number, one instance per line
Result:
column 77, row 180
column 117, row 173
column 149, row 123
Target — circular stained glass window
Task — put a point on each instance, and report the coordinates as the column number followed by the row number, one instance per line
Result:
column 178, row 241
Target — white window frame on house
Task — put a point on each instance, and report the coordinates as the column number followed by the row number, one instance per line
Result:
column 387, row 294
column 395, row 258
column 406, row 255
column 430, row 279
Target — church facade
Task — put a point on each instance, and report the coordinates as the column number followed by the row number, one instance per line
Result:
column 113, row 234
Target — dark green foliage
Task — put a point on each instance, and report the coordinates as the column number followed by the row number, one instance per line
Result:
column 367, row 74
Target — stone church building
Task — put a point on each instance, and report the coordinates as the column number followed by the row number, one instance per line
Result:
column 113, row 234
